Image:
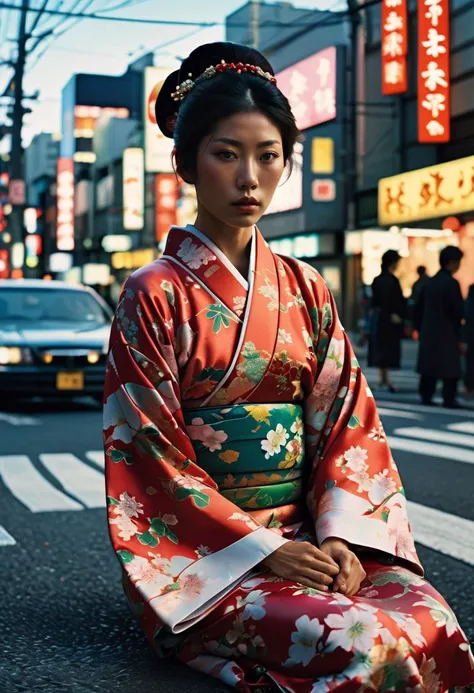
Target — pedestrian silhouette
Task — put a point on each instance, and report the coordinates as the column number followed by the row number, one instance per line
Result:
column 416, row 290
column 439, row 313
column 420, row 282
column 388, row 314
column 469, row 338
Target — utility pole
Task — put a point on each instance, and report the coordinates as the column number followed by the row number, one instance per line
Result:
column 255, row 23
column 16, row 166
column 352, row 167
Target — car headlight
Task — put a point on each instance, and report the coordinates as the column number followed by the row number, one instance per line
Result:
column 15, row 355
column 93, row 357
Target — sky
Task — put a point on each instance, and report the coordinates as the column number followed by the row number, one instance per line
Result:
column 107, row 47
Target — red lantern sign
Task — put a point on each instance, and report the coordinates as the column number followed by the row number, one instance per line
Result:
column 433, row 71
column 394, row 46
column 4, row 268
column 166, row 198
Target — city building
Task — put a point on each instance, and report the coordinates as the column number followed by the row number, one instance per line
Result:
column 87, row 97
column 125, row 193
column 40, row 164
column 415, row 148
column 101, row 116
column 40, row 179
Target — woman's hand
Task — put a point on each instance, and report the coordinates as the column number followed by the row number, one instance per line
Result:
column 351, row 571
column 302, row 562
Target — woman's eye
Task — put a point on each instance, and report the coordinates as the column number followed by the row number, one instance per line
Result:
column 269, row 156
column 226, row 155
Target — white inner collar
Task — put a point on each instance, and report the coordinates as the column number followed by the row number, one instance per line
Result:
column 223, row 257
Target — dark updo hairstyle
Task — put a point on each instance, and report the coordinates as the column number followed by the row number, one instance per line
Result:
column 222, row 96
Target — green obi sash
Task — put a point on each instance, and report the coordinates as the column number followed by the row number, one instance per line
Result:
column 254, row 452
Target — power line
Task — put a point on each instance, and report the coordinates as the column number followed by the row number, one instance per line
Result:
column 37, row 19
column 126, row 3
column 54, row 37
column 176, row 40
column 4, row 34
column 173, row 22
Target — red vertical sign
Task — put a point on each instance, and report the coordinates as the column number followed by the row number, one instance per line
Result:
column 166, row 198
column 433, row 71
column 394, row 46
column 4, row 270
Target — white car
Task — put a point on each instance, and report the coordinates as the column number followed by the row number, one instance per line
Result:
column 53, row 339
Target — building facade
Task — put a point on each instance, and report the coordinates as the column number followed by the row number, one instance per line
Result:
column 412, row 196
column 40, row 179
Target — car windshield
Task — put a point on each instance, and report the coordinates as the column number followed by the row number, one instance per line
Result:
column 57, row 305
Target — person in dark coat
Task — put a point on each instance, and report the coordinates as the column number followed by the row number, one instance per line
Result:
column 388, row 314
column 469, row 338
column 420, row 282
column 439, row 313
column 416, row 290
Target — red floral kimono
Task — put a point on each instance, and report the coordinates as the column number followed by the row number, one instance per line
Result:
column 236, row 419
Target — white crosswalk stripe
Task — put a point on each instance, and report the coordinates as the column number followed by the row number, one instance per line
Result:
column 399, row 414
column 442, row 532
column 427, row 449
column 6, row 539
column 78, row 479
column 423, row 409
column 31, row 488
column 463, row 426
column 452, row 442
column 97, row 457
column 438, row 436
column 448, row 534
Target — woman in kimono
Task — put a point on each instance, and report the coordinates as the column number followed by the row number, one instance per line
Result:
column 253, row 502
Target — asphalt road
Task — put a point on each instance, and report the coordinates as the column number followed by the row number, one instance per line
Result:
column 65, row 625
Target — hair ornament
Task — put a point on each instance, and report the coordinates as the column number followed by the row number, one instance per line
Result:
column 185, row 87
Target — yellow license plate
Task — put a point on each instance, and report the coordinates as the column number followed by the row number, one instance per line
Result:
column 70, row 381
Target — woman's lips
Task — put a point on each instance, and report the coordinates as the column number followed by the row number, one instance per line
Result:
column 246, row 207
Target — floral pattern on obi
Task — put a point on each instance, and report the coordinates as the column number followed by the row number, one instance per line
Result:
column 254, row 452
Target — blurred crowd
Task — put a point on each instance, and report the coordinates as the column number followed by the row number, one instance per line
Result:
column 435, row 315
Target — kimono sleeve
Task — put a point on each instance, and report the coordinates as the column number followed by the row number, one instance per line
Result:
column 355, row 491
column 182, row 545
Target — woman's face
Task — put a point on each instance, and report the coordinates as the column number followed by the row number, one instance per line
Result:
column 238, row 169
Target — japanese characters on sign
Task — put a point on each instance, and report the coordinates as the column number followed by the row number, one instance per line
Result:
column 310, row 87
column 394, row 46
column 133, row 189
column 433, row 71
column 436, row 191
column 65, row 202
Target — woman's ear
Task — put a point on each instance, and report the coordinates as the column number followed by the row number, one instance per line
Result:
column 186, row 175
column 181, row 170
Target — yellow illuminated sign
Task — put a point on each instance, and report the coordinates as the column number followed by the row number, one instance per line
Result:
column 322, row 155
column 133, row 259
column 436, row 191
